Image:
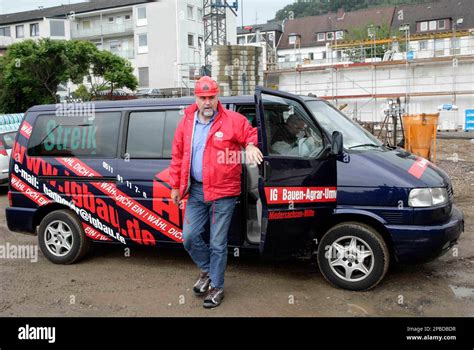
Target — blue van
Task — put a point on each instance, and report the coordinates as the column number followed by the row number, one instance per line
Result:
column 326, row 188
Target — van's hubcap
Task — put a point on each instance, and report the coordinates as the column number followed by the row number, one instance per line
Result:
column 351, row 258
column 59, row 238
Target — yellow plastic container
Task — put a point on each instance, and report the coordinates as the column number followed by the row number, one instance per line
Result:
column 420, row 134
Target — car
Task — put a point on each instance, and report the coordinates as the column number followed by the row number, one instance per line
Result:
column 335, row 193
column 7, row 138
column 148, row 92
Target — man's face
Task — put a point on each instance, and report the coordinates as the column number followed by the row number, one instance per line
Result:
column 207, row 105
column 296, row 126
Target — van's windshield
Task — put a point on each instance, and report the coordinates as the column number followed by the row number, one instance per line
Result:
column 355, row 136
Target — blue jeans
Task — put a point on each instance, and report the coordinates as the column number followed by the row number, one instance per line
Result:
column 210, row 258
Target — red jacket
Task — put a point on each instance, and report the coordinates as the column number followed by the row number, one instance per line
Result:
column 229, row 133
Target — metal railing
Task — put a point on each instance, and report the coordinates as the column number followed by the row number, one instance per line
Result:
column 384, row 53
column 102, row 30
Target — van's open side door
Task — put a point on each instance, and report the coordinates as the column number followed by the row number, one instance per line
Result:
column 298, row 178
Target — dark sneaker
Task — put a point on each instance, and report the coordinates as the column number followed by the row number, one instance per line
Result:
column 202, row 285
column 214, row 298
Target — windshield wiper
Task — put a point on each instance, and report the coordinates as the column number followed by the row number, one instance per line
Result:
column 366, row 145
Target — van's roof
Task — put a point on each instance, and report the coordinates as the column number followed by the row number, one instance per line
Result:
column 150, row 102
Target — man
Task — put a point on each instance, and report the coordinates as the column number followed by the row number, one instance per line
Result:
column 285, row 139
column 203, row 136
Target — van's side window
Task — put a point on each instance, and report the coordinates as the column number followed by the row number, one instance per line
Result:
column 171, row 123
column 95, row 135
column 150, row 134
column 290, row 130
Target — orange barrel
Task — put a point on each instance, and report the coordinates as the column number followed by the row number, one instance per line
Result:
column 420, row 134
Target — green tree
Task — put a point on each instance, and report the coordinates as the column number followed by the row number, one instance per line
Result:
column 317, row 7
column 358, row 54
column 110, row 72
column 31, row 71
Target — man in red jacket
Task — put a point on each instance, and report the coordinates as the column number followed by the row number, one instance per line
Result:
column 205, row 164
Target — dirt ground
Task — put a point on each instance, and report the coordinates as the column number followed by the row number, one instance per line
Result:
column 154, row 282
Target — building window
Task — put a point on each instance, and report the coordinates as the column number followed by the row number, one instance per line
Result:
column 324, row 55
column 311, row 56
column 142, row 43
column 291, row 39
column 200, row 41
column 5, row 31
column 86, row 24
column 34, row 29
column 442, row 24
column 57, row 28
column 199, row 14
column 20, row 31
column 456, row 46
column 143, row 77
column 141, row 16
column 424, row 26
column 191, row 40
column 321, row 36
column 111, row 19
column 191, row 12
column 432, row 25
column 339, row 35
column 439, row 47
column 141, row 13
column 423, row 45
column 241, row 40
column 127, row 18
column 330, row 36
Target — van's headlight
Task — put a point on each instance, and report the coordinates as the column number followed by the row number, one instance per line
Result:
column 427, row 197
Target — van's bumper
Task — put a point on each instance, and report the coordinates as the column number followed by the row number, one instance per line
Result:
column 20, row 219
column 414, row 244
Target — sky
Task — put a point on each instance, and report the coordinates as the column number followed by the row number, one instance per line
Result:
column 262, row 10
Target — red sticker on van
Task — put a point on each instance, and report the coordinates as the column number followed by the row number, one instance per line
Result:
column 26, row 129
column 286, row 195
column 28, row 191
column 419, row 167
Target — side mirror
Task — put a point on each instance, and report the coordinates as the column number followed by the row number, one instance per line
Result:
column 337, row 144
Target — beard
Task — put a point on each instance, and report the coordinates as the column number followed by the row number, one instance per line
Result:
column 207, row 112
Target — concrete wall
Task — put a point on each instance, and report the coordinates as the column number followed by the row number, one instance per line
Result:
column 441, row 82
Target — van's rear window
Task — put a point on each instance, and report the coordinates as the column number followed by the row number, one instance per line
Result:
column 95, row 135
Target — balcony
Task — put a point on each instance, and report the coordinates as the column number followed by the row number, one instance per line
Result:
column 106, row 29
column 128, row 54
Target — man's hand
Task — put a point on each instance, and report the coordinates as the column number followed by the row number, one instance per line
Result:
column 254, row 155
column 175, row 197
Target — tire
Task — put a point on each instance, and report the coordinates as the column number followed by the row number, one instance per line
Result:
column 70, row 243
column 346, row 268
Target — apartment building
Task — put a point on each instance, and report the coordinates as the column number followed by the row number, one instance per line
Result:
column 163, row 39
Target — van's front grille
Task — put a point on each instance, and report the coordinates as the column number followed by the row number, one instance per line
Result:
column 450, row 192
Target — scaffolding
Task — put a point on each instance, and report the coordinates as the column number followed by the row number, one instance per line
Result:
column 215, row 26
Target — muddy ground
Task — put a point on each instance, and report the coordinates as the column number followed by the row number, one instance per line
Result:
column 158, row 282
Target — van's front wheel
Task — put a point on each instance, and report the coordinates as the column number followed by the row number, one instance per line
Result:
column 61, row 237
column 353, row 256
